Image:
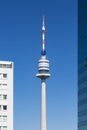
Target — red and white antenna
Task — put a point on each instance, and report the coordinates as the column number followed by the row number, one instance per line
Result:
column 43, row 37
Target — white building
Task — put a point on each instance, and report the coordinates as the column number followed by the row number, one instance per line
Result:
column 6, row 95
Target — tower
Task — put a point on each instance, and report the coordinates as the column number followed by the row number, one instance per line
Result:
column 43, row 74
column 82, row 65
column 6, row 95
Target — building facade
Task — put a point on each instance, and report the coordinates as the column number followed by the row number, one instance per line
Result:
column 6, row 95
column 82, row 64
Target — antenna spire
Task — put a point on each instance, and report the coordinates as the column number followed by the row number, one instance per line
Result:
column 43, row 21
column 43, row 52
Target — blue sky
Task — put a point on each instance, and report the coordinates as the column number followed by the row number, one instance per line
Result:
column 20, row 42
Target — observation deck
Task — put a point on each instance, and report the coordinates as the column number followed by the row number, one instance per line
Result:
column 43, row 68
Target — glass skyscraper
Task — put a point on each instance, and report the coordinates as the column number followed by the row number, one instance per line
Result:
column 82, row 64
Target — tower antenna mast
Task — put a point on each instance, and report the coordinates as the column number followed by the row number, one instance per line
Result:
column 43, row 36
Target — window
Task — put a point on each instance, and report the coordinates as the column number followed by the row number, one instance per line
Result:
column 4, row 75
column 4, row 107
column 3, row 86
column 1, row 75
column 0, row 86
column 5, row 97
column 4, row 118
column 4, row 128
column 0, row 118
column 0, row 96
column 0, row 107
column 5, row 65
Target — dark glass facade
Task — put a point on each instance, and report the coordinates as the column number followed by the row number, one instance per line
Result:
column 82, row 64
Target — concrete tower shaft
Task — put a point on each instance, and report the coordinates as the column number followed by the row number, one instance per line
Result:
column 43, row 74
